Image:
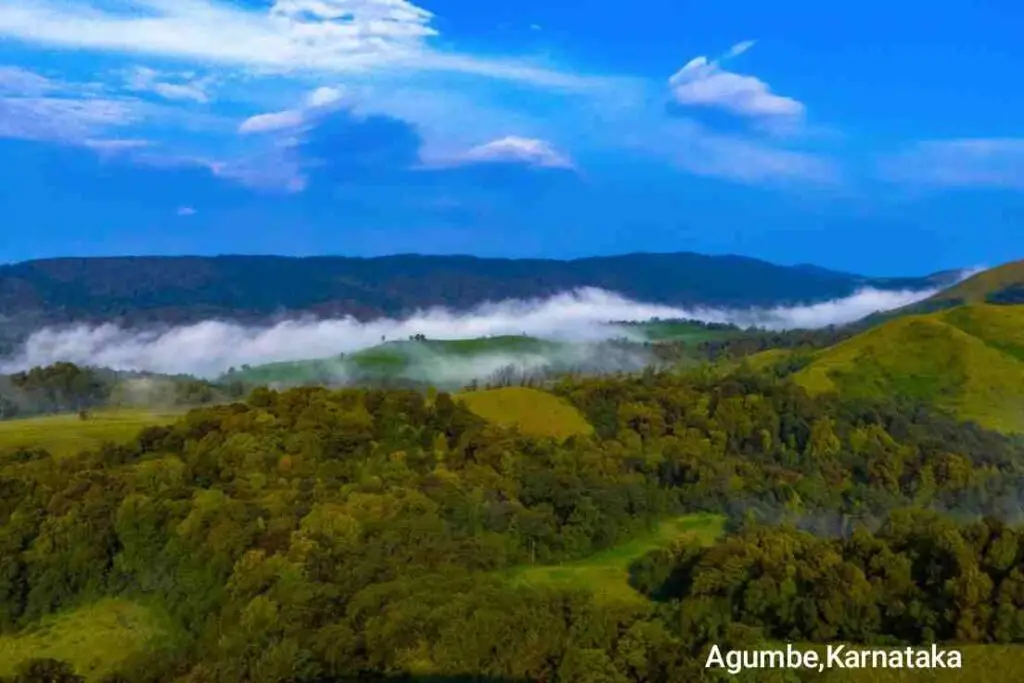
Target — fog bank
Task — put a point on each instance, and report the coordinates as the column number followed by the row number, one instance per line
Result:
column 209, row 348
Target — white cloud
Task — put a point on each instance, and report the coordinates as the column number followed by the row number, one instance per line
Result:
column 318, row 102
column 512, row 149
column 971, row 162
column 186, row 211
column 706, row 83
column 739, row 48
column 209, row 348
column 324, row 96
column 63, row 120
column 144, row 79
column 317, row 35
column 273, row 121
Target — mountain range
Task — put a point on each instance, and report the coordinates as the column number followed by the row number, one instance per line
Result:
column 182, row 289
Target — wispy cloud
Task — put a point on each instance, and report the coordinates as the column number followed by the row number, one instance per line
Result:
column 63, row 120
column 186, row 211
column 116, row 144
column 313, row 35
column 209, row 348
column 706, row 83
column 15, row 80
column 276, row 169
column 318, row 102
column 972, row 162
column 272, row 121
column 510, row 149
column 181, row 86
column 701, row 150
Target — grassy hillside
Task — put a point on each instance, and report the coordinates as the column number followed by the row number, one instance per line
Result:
column 687, row 331
column 1003, row 284
column 64, row 435
column 969, row 360
column 447, row 363
column 606, row 573
column 535, row 412
column 94, row 639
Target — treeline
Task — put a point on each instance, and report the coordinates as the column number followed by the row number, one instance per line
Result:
column 61, row 387
column 921, row 578
column 754, row 341
column 66, row 387
column 316, row 535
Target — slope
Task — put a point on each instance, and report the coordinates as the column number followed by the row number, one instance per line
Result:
column 1003, row 285
column 969, row 360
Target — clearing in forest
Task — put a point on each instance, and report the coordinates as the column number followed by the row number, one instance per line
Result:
column 64, row 435
column 606, row 573
column 94, row 639
column 535, row 412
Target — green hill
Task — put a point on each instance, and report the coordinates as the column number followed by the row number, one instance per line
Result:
column 535, row 412
column 968, row 359
column 444, row 363
column 1001, row 285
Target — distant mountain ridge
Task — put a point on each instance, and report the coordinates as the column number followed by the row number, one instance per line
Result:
column 193, row 287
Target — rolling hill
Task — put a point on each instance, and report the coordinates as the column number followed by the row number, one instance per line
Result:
column 968, row 359
column 452, row 363
column 444, row 363
column 1002, row 285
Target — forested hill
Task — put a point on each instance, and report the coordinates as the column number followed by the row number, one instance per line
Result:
column 182, row 289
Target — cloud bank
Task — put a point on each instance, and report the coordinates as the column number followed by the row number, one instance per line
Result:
column 209, row 348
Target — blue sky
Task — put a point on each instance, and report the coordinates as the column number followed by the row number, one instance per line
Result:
column 882, row 138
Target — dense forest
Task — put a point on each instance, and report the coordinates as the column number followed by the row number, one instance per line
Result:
column 367, row 534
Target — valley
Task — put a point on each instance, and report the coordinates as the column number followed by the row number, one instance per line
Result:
column 514, row 507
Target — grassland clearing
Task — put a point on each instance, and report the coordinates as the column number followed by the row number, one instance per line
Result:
column 533, row 411
column 68, row 434
column 94, row 639
column 607, row 573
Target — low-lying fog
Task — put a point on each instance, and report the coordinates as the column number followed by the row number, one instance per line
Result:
column 209, row 348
